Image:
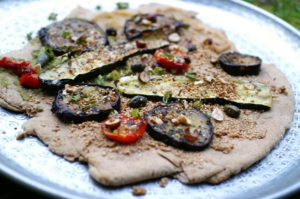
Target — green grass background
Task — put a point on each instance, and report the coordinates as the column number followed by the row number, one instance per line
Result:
column 288, row 10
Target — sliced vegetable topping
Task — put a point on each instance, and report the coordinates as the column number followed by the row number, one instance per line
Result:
column 43, row 55
column 28, row 76
column 52, row 16
column 174, row 37
column 172, row 59
column 180, row 127
column 191, row 47
column 137, row 66
column 243, row 93
column 123, row 5
column 94, row 62
column 110, row 31
column 123, row 129
column 142, row 24
column 98, row 7
column 232, row 111
column 235, row 63
column 191, row 75
column 30, row 80
column 138, row 101
column 159, row 71
column 217, row 115
column 135, row 113
column 167, row 96
column 113, row 76
column 85, row 102
column 72, row 35
column 144, row 77
column 29, row 36
column 140, row 63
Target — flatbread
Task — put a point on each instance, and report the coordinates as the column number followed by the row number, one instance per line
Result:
column 237, row 143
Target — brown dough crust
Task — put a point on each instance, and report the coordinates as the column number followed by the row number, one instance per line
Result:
column 113, row 164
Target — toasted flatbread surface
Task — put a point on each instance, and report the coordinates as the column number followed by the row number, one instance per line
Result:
column 237, row 143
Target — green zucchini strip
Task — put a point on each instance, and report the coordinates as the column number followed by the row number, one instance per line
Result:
column 94, row 62
column 244, row 93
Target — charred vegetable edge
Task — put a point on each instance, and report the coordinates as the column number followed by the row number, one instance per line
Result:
column 173, row 142
column 179, row 25
column 67, row 114
column 44, row 36
column 239, row 69
column 55, row 84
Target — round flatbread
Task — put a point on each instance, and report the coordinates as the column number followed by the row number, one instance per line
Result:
column 237, row 143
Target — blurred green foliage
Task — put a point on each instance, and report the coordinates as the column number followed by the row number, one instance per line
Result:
column 288, row 10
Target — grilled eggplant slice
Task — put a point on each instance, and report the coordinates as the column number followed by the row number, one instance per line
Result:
column 72, row 35
column 93, row 63
column 84, row 102
column 142, row 24
column 235, row 63
column 180, row 127
column 242, row 93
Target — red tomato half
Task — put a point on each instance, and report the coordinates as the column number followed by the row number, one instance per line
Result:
column 30, row 80
column 172, row 59
column 123, row 129
column 28, row 75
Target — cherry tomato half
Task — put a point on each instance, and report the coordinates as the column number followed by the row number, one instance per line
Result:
column 123, row 129
column 172, row 59
column 30, row 80
column 28, row 75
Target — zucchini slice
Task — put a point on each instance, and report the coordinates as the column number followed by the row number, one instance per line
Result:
column 72, row 35
column 180, row 127
column 93, row 63
column 84, row 102
column 242, row 93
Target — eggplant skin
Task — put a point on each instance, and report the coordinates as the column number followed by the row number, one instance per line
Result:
column 134, row 27
column 68, row 115
column 227, row 64
column 179, row 143
column 221, row 101
column 59, row 36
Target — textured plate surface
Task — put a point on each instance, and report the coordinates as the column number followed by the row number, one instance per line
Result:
column 252, row 31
